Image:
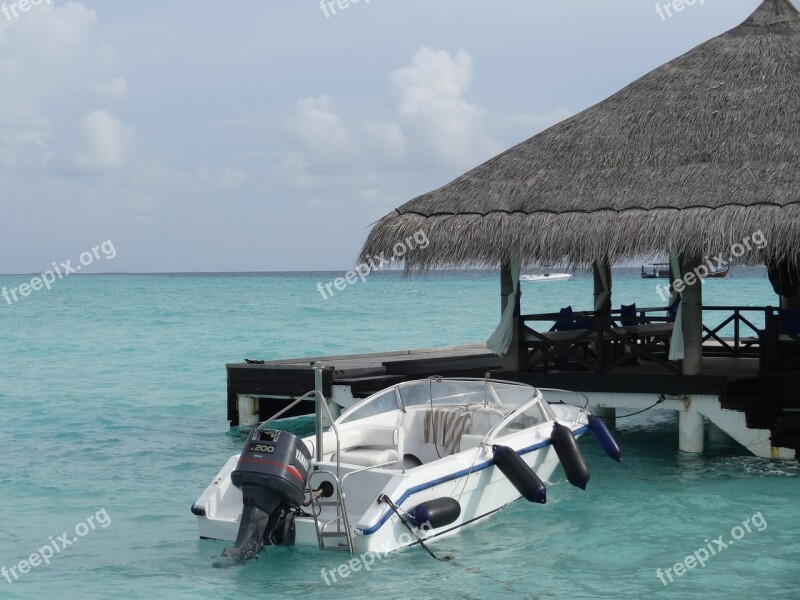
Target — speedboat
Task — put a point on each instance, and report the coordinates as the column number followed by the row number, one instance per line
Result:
column 661, row 270
column 416, row 461
column 547, row 277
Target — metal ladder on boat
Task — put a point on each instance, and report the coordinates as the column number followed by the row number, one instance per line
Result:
column 342, row 534
column 343, row 531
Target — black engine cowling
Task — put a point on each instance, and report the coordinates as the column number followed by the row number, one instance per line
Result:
column 272, row 473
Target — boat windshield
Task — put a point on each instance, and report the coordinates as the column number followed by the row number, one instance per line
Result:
column 438, row 393
column 382, row 402
column 524, row 417
column 454, row 392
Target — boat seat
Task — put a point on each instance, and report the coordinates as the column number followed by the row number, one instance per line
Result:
column 369, row 446
column 368, row 457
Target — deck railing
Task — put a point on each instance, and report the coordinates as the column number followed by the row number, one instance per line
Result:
column 597, row 343
column 588, row 341
column 746, row 335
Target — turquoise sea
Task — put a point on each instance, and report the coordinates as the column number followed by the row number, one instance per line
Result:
column 112, row 404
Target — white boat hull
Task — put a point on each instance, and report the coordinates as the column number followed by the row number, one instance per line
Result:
column 375, row 452
column 481, row 490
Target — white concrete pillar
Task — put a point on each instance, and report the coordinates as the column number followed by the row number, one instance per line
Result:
column 248, row 411
column 607, row 415
column 717, row 436
column 690, row 431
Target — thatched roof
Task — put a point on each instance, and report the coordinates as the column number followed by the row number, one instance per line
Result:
column 695, row 156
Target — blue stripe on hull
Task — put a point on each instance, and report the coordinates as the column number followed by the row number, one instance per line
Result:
column 424, row 486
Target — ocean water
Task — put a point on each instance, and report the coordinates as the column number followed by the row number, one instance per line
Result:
column 112, row 404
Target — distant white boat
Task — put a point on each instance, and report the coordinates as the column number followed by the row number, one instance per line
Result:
column 547, row 277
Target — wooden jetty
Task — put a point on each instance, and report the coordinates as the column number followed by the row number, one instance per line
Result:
column 258, row 389
column 741, row 395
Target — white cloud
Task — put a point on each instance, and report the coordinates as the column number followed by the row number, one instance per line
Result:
column 23, row 138
column 385, row 142
column 49, row 31
column 295, row 171
column 431, row 121
column 428, row 97
column 115, row 90
column 109, row 144
column 326, row 143
column 339, row 157
column 48, row 55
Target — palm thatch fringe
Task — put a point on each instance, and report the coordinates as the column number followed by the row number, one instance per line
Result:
column 771, row 233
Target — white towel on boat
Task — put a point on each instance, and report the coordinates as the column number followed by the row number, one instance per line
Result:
column 445, row 427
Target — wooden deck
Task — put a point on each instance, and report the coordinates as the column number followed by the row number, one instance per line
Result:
column 278, row 381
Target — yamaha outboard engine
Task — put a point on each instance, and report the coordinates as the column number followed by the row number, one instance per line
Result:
column 272, row 474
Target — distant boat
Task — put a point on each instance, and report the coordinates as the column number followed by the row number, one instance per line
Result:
column 661, row 271
column 547, row 277
column 656, row 271
column 719, row 272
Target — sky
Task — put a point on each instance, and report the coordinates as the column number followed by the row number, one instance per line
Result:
column 268, row 135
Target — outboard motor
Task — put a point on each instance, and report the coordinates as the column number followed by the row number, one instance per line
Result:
column 272, row 474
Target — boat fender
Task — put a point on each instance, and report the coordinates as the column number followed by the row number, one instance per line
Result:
column 435, row 513
column 604, row 438
column 520, row 474
column 570, row 456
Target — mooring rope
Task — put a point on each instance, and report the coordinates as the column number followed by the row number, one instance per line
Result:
column 661, row 399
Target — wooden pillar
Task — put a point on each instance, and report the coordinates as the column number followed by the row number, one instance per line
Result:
column 511, row 360
column 604, row 268
column 692, row 316
column 602, row 306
